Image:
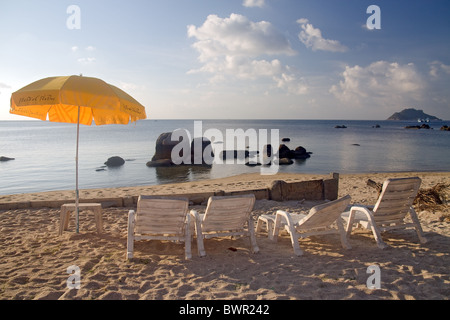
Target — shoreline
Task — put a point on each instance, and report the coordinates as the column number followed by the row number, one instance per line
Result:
column 241, row 182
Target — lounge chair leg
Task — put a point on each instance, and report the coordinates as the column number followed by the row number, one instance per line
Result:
column 349, row 227
column 343, row 234
column 417, row 226
column 259, row 225
column 251, row 230
column 295, row 245
column 380, row 243
column 276, row 228
column 200, row 244
column 187, row 239
column 270, row 229
column 269, row 225
column 130, row 238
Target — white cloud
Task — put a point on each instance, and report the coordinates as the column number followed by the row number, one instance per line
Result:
column 237, row 35
column 237, row 48
column 436, row 67
column 291, row 84
column 312, row 38
column 80, row 53
column 129, row 86
column 253, row 3
column 86, row 60
column 380, row 83
column 4, row 86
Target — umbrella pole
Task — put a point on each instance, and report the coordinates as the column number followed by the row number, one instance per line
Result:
column 76, row 176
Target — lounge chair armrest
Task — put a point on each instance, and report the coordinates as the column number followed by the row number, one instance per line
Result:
column 284, row 217
column 131, row 218
column 367, row 210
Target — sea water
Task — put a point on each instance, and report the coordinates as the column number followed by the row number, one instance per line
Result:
column 44, row 152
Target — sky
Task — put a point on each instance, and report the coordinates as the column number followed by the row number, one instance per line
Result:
column 238, row 59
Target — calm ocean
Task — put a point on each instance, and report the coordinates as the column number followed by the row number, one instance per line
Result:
column 44, row 152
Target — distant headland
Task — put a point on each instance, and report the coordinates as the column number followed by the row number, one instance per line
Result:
column 411, row 114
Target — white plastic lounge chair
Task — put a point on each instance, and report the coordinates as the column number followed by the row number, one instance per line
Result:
column 321, row 219
column 226, row 216
column 393, row 204
column 159, row 218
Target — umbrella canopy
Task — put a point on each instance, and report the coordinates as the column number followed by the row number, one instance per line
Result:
column 60, row 97
column 76, row 99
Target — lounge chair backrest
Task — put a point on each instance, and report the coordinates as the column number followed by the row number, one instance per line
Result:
column 227, row 213
column 159, row 215
column 324, row 215
column 396, row 198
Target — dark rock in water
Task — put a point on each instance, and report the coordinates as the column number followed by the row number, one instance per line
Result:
column 286, row 139
column 195, row 152
column 376, row 126
column 164, row 146
column 285, row 152
column 423, row 126
column 115, row 162
column 356, row 144
column 235, row 154
column 341, row 127
column 100, row 169
column 301, row 153
column 6, row 158
column 250, row 164
column 285, row 161
column 160, row 163
column 298, row 153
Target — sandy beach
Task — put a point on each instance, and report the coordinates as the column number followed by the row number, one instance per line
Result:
column 34, row 259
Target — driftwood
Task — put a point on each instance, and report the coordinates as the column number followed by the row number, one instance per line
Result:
column 376, row 185
column 430, row 198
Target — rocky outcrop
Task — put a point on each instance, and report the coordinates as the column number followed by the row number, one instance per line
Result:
column 423, row 126
column 235, row 154
column 2, row 158
column 165, row 145
column 115, row 162
column 411, row 114
column 297, row 153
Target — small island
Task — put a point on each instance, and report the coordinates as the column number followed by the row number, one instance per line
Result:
column 412, row 114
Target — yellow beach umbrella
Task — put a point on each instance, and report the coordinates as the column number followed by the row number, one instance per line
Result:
column 76, row 99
